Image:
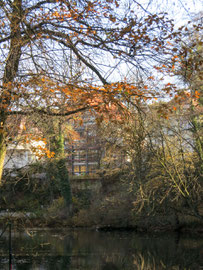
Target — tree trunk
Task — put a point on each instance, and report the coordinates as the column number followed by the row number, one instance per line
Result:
column 10, row 71
column 2, row 153
column 63, row 174
column 58, row 169
column 197, row 140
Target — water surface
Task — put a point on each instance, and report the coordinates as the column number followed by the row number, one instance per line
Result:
column 92, row 250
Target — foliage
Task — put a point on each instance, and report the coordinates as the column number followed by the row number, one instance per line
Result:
column 46, row 44
column 60, row 58
column 81, row 200
column 33, row 190
column 24, row 192
column 191, row 72
column 58, row 175
column 160, row 160
column 56, row 206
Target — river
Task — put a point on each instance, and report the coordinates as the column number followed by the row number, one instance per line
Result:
column 93, row 250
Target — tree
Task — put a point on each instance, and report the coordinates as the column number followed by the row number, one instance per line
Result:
column 191, row 61
column 174, row 164
column 126, row 144
column 159, row 158
column 35, row 37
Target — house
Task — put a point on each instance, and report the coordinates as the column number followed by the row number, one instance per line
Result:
column 23, row 148
column 19, row 155
column 87, row 152
column 84, row 153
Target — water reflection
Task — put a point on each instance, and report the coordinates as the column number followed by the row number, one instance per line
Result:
column 90, row 250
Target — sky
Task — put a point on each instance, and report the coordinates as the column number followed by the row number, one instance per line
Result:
column 180, row 10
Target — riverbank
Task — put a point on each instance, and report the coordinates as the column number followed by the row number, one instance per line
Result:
column 20, row 220
column 107, row 203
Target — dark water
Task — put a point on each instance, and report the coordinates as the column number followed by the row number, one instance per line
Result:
column 91, row 250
